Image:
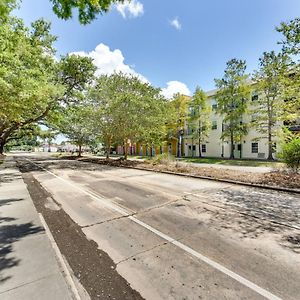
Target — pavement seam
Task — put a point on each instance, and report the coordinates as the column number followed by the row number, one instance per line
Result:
column 106, row 221
column 27, row 283
column 142, row 252
column 133, row 214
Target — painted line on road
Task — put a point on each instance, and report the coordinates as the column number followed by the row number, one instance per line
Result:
column 210, row 262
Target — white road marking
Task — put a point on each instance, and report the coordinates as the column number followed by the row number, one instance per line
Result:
column 217, row 266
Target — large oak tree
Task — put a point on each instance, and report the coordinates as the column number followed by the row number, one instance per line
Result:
column 32, row 82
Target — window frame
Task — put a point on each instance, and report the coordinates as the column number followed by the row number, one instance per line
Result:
column 254, row 147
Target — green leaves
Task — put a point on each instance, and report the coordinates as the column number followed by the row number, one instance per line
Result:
column 291, row 34
column 75, row 73
column 270, row 81
column 291, row 154
column 32, row 82
column 87, row 9
column 128, row 110
column 6, row 6
column 26, row 73
column 232, row 98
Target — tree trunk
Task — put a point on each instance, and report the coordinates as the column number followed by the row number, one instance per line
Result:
column 125, row 150
column 232, row 146
column 108, row 150
column 199, row 147
column 270, row 150
column 49, row 145
column 241, row 150
column 79, row 150
column 2, row 143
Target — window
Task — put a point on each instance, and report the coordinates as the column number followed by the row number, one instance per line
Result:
column 274, row 146
column 203, row 148
column 214, row 125
column 253, row 117
column 254, row 147
column 239, row 147
column 189, row 130
column 224, row 126
column 254, row 96
column 192, row 111
column 214, row 104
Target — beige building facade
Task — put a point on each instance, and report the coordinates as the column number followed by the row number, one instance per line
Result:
column 251, row 146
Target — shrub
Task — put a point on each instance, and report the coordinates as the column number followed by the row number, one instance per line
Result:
column 163, row 159
column 290, row 154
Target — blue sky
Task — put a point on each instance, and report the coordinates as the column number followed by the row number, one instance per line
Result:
column 186, row 43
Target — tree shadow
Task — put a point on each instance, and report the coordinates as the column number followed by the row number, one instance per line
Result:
column 42, row 164
column 9, row 177
column 9, row 234
column 9, row 201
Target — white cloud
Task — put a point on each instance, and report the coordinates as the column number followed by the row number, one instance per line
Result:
column 174, row 87
column 109, row 61
column 175, row 23
column 131, row 9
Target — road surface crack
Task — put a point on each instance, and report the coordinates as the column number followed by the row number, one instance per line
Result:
column 109, row 220
column 145, row 251
column 134, row 214
column 27, row 283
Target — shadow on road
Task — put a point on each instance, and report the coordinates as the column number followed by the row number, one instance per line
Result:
column 41, row 163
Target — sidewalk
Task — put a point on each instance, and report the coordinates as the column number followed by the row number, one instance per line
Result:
column 28, row 266
column 228, row 167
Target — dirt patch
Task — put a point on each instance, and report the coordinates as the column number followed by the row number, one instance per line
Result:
column 275, row 178
column 282, row 178
column 94, row 268
column 120, row 162
column 292, row 241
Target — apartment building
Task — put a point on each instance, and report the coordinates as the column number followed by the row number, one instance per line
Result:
column 251, row 146
column 185, row 144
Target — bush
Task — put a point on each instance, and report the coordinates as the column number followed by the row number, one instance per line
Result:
column 163, row 159
column 290, row 154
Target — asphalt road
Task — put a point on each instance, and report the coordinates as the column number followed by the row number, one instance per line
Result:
column 181, row 238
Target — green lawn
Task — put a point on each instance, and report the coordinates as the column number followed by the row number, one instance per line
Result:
column 228, row 162
column 235, row 162
column 217, row 161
